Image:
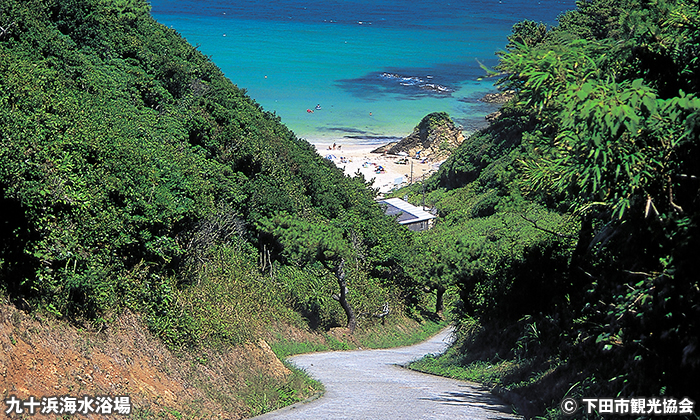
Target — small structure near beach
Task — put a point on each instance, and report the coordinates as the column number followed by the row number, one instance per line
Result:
column 414, row 218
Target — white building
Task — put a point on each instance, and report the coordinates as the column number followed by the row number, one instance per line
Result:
column 412, row 217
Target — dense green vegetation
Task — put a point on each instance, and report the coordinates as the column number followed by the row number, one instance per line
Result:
column 570, row 226
column 134, row 175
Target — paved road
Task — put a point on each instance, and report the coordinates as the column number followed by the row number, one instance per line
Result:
column 368, row 384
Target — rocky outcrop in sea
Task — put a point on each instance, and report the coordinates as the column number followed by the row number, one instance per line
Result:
column 433, row 139
column 498, row 98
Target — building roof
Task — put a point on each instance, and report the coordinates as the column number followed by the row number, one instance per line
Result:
column 406, row 212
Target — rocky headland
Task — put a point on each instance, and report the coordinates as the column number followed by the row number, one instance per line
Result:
column 432, row 139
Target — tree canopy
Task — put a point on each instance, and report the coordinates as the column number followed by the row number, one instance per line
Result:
column 129, row 164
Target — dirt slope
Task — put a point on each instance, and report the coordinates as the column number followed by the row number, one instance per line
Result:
column 44, row 358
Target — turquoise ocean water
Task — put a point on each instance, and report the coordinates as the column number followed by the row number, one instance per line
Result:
column 374, row 67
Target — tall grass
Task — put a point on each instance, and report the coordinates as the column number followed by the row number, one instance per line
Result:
column 264, row 393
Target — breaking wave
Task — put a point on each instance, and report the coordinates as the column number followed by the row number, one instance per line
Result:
column 418, row 82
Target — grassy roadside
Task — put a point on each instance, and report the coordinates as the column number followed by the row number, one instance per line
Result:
column 503, row 377
column 395, row 331
column 498, row 358
column 398, row 332
column 265, row 393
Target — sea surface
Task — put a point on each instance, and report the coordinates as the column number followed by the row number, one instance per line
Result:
column 357, row 71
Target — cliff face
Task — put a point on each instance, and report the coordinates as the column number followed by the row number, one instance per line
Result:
column 433, row 139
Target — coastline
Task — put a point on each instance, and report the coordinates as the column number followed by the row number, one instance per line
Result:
column 354, row 158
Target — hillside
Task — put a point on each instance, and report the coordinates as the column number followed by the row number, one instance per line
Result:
column 138, row 183
column 128, row 161
column 567, row 225
column 44, row 357
column 155, row 215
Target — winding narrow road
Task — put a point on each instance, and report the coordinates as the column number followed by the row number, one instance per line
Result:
column 369, row 384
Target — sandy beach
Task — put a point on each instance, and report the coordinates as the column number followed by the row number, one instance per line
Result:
column 353, row 158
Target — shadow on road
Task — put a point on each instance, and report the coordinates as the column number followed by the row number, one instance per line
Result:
column 473, row 397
